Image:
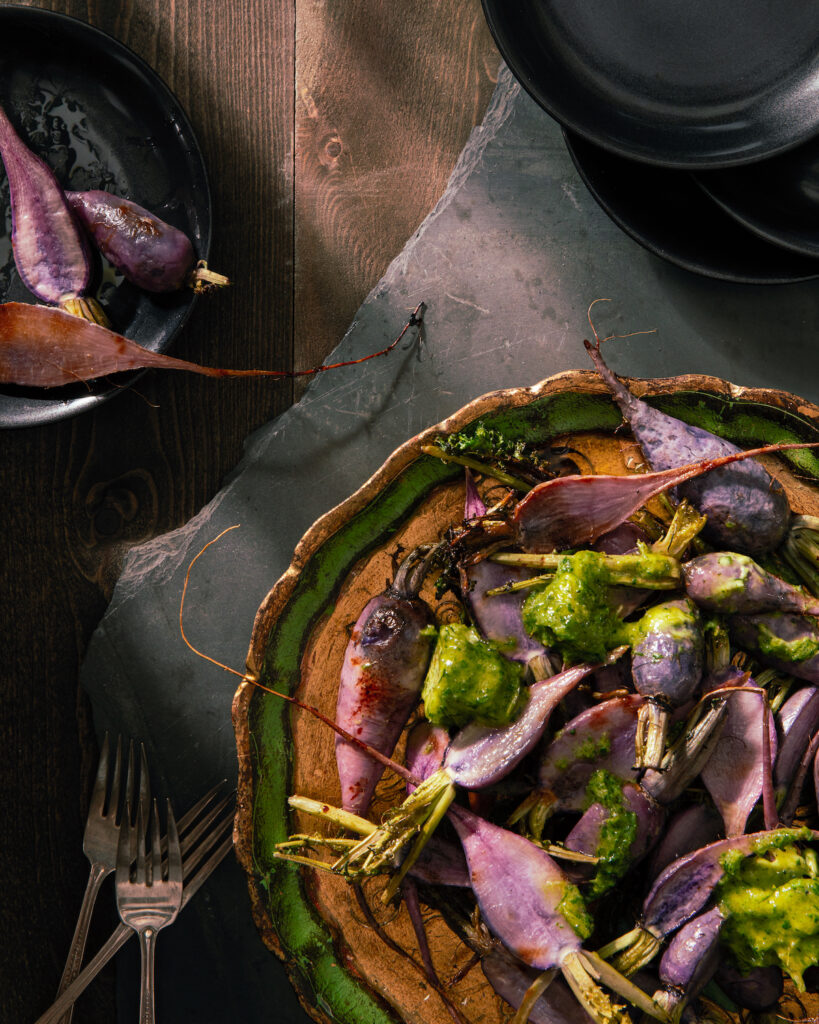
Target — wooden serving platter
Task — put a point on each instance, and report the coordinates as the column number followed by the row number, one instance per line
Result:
column 340, row 967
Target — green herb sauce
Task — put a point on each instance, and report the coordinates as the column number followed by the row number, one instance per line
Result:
column 794, row 651
column 771, row 905
column 617, row 834
column 573, row 613
column 573, row 907
column 470, row 680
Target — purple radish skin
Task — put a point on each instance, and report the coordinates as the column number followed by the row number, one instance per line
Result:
column 682, row 891
column 511, row 979
column 785, row 641
column 498, row 618
column 381, row 679
column 573, row 511
column 687, row 831
column 734, row 773
column 150, row 253
column 758, row 990
column 690, row 960
column 600, row 737
column 521, row 893
column 729, row 583
column 798, row 720
column 745, row 506
column 49, row 249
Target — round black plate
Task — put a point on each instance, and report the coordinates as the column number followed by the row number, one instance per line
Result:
column 101, row 118
column 777, row 199
column 685, row 83
column 669, row 214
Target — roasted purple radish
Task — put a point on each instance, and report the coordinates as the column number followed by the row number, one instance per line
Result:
column 381, row 678
column 50, row 251
column 666, row 666
column 745, row 506
column 785, row 641
column 153, row 255
column 726, row 582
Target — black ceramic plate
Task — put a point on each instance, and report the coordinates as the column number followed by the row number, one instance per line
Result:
column 686, row 83
column 101, row 118
column 669, row 214
column 777, row 199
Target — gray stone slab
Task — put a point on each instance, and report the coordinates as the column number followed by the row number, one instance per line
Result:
column 508, row 263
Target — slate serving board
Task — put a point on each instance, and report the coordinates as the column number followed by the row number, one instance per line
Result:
column 508, row 264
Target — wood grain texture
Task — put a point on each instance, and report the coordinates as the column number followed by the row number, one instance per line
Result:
column 387, row 92
column 77, row 494
column 402, row 84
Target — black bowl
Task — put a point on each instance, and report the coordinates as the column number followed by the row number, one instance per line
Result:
column 777, row 199
column 101, row 118
column 680, row 83
column 670, row 215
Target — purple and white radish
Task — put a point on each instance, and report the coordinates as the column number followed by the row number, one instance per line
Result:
column 683, row 890
column 724, row 581
column 50, row 250
column 512, row 979
column 527, row 902
column 498, row 617
column 785, row 641
column 690, row 960
column 666, row 667
column 153, row 255
column 572, row 511
column 688, row 830
column 797, row 721
column 745, row 506
column 735, row 772
column 381, row 678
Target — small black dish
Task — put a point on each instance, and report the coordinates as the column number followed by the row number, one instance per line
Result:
column 681, row 83
column 669, row 214
column 101, row 118
column 777, row 199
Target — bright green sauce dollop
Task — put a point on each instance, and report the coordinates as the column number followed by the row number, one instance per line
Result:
column 573, row 907
column 793, row 651
column 771, row 904
column 470, row 680
column 573, row 614
column 617, row 833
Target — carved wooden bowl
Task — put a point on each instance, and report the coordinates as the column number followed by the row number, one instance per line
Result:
column 340, row 967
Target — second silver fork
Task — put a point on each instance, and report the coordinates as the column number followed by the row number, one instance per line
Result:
column 100, row 841
column 146, row 900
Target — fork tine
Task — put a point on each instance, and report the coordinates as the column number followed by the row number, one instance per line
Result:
column 155, row 872
column 124, row 848
column 174, row 849
column 112, row 803
column 141, row 837
column 194, row 858
column 130, row 784
column 192, row 836
column 191, row 815
column 144, row 781
column 96, row 804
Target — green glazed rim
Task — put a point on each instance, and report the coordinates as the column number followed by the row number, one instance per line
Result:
column 567, row 404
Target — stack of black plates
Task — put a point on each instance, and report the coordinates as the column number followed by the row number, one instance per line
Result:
column 694, row 123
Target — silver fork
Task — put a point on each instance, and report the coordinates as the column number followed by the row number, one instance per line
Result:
column 148, row 901
column 205, row 831
column 100, row 842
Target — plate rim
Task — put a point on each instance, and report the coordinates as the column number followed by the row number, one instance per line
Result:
column 679, row 160
column 585, row 382
column 55, row 409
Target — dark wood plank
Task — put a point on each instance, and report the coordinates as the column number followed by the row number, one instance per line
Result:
column 386, row 95
column 76, row 495
column 400, row 84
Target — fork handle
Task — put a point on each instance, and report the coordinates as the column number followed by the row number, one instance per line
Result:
column 73, row 962
column 147, row 945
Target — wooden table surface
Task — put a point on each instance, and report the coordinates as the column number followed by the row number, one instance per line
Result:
column 329, row 129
